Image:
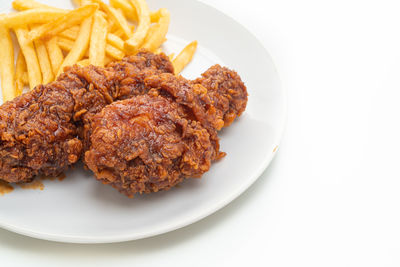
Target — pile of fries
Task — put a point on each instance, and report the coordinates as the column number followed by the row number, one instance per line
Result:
column 94, row 33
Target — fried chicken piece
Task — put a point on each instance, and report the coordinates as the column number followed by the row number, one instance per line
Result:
column 37, row 134
column 152, row 142
column 226, row 90
column 146, row 144
column 42, row 131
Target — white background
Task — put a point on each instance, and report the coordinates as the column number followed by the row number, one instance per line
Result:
column 331, row 196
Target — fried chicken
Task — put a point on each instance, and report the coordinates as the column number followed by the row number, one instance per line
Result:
column 43, row 132
column 140, row 128
column 146, row 144
column 152, row 142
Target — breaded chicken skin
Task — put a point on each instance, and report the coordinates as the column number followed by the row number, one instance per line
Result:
column 146, row 144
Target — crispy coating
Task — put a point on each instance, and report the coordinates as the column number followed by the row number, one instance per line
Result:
column 152, row 142
column 37, row 134
column 146, row 144
column 45, row 131
column 226, row 90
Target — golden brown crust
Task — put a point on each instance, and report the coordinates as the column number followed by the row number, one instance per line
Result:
column 146, row 144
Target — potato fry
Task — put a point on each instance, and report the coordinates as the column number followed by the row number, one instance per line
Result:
column 44, row 62
column 77, row 3
column 126, row 7
column 32, row 63
column 184, row 57
column 55, row 54
column 70, row 19
column 20, row 70
column 108, row 60
column 25, row 78
column 155, row 15
column 22, row 5
column 133, row 44
column 65, row 44
column 158, row 51
column 116, row 16
column 6, row 64
column 70, row 33
column 157, row 36
column 114, row 40
column 29, row 17
column 111, row 51
column 171, row 56
column 79, row 47
column 97, row 48
column 83, row 62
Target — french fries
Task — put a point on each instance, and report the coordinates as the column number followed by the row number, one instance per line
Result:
column 44, row 62
column 29, row 17
column 20, row 71
column 133, row 44
column 70, row 19
column 117, row 17
column 156, row 38
column 111, row 51
column 184, row 57
column 98, row 38
column 22, row 5
column 28, row 49
column 7, row 64
column 80, row 46
column 126, row 7
column 94, row 33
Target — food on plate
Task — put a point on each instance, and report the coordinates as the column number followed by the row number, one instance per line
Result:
column 7, row 64
column 52, row 38
column 143, row 17
column 136, row 123
column 184, row 57
column 147, row 143
column 152, row 142
column 42, row 131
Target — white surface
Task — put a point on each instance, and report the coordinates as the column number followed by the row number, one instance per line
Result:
column 83, row 210
column 330, row 197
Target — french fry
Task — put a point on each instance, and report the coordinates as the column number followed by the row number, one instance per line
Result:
column 158, row 51
column 184, row 57
column 97, row 48
column 107, row 60
column 22, row 5
column 25, row 78
column 6, row 64
column 83, row 62
column 115, row 41
column 80, row 46
column 112, row 39
column 117, row 17
column 55, row 54
column 70, row 19
column 20, row 70
column 132, row 45
column 126, row 7
column 70, row 33
column 44, row 62
column 157, row 36
column 29, row 17
column 111, row 51
column 155, row 15
column 65, row 44
column 32, row 63
column 171, row 56
column 77, row 3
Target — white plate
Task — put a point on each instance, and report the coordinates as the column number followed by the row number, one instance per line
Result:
column 82, row 210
